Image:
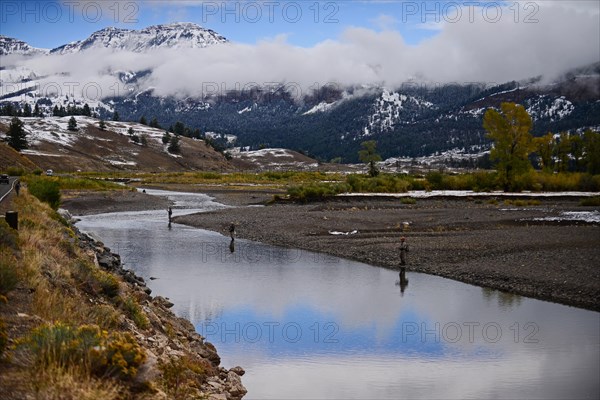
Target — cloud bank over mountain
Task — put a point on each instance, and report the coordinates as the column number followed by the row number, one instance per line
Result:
column 471, row 49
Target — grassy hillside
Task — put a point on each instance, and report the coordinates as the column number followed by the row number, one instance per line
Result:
column 11, row 158
column 53, row 146
column 75, row 325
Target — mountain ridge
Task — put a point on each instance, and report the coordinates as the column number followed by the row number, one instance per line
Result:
column 9, row 45
column 174, row 35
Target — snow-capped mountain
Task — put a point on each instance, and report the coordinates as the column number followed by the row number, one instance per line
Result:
column 15, row 46
column 176, row 35
column 331, row 122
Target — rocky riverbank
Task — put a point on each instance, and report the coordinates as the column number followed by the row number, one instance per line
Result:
column 169, row 337
column 74, row 324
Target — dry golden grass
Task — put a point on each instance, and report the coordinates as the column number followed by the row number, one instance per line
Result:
column 71, row 384
column 64, row 287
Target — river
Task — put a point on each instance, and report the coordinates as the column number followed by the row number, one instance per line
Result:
column 308, row 326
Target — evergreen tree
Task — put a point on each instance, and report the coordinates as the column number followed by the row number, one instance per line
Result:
column 86, row 110
column 27, row 110
column 143, row 120
column 5, row 110
column 369, row 155
column 154, row 123
column 17, row 137
column 116, row 116
column 131, row 131
column 179, row 129
column 174, row 146
column 56, row 111
column 510, row 130
column 166, row 138
column 72, row 124
column 144, row 140
column 102, row 125
column 36, row 111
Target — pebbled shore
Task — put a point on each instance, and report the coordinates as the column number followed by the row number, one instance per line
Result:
column 479, row 241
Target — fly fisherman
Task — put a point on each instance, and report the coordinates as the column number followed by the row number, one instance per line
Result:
column 403, row 250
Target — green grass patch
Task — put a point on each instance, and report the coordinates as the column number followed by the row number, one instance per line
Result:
column 194, row 178
column 14, row 171
column 71, row 183
column 522, row 202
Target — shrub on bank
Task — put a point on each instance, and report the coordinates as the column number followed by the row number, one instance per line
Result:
column 87, row 347
column 383, row 183
column 316, row 191
column 190, row 370
column 46, row 190
column 557, row 182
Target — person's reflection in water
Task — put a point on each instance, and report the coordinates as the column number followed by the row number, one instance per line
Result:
column 170, row 227
column 232, row 246
column 403, row 282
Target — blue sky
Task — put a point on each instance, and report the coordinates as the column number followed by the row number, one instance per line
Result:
column 49, row 24
column 378, row 42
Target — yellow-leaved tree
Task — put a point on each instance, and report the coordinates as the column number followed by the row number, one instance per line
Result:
column 510, row 130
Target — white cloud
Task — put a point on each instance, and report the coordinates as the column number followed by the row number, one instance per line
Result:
column 385, row 22
column 477, row 51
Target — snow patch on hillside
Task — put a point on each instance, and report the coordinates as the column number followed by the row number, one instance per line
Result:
column 275, row 159
column 321, row 107
column 392, row 108
column 231, row 139
column 555, row 110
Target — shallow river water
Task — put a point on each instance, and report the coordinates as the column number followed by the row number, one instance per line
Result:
column 308, row 326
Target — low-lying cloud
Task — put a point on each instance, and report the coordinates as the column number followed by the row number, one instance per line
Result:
column 465, row 51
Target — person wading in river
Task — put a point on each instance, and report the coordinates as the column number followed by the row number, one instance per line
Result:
column 232, row 231
column 403, row 250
